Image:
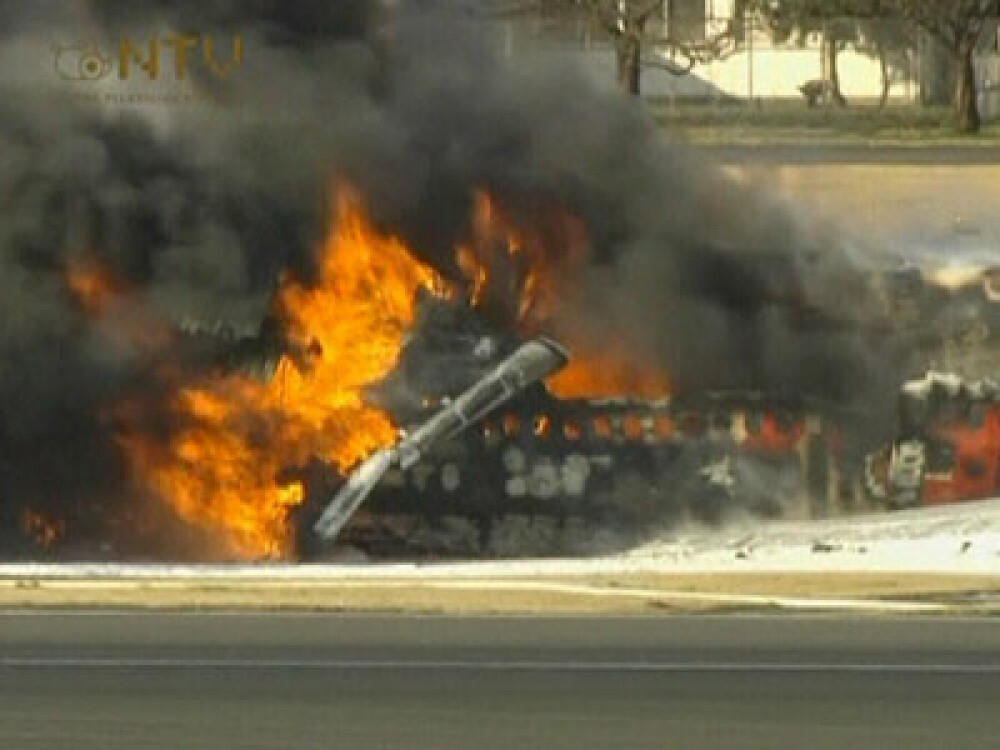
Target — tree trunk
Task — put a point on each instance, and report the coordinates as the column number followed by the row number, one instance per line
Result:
column 886, row 83
column 966, row 107
column 628, row 51
column 833, row 76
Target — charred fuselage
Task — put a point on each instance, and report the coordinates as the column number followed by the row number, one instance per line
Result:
column 548, row 475
column 544, row 475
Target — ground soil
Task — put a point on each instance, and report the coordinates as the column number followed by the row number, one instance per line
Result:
column 873, row 593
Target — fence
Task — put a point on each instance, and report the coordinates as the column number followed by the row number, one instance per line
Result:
column 758, row 64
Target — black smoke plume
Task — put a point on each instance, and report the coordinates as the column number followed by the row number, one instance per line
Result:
column 201, row 209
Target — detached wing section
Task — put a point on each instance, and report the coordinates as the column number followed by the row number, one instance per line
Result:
column 532, row 362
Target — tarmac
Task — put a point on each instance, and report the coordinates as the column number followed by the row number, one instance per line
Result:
column 109, row 680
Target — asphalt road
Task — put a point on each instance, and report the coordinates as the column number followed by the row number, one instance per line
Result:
column 172, row 680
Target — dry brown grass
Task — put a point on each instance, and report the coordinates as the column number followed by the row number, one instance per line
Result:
column 600, row 594
column 892, row 206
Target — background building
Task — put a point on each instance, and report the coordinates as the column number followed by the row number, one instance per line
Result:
column 757, row 66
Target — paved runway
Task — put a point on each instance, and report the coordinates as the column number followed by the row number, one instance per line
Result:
column 173, row 680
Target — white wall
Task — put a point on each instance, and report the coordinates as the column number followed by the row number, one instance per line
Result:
column 776, row 73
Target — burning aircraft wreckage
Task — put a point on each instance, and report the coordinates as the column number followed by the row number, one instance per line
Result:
column 523, row 323
column 509, row 467
column 390, row 409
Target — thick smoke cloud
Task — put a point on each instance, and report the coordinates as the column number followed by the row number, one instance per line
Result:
column 721, row 285
column 197, row 212
column 200, row 209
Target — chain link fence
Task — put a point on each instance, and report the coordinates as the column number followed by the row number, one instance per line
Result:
column 874, row 59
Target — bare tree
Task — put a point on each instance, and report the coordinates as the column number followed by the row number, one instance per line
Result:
column 639, row 35
column 958, row 25
column 891, row 41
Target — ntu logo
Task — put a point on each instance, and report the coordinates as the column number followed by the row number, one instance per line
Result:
column 156, row 57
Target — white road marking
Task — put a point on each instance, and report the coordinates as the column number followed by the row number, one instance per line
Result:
column 54, row 662
column 668, row 595
column 335, row 615
column 516, row 585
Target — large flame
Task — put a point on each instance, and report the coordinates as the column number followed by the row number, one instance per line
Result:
column 223, row 469
column 222, row 462
column 520, row 273
column 528, row 272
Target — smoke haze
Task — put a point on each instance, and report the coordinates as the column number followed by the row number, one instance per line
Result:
column 199, row 210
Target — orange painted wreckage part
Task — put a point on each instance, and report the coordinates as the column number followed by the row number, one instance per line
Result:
column 974, row 466
column 774, row 433
column 948, row 450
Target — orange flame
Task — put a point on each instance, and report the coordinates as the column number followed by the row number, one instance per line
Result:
column 603, row 375
column 95, row 286
column 519, row 271
column 107, row 298
column 223, row 468
column 42, row 529
column 531, row 271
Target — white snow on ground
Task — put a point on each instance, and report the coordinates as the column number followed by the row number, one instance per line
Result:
column 955, row 539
